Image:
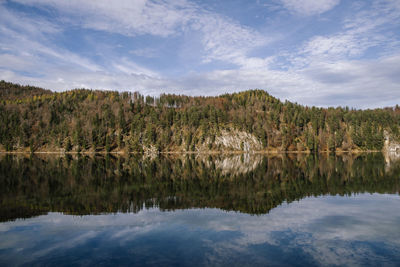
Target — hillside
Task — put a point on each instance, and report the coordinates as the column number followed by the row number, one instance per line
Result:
column 11, row 91
column 34, row 119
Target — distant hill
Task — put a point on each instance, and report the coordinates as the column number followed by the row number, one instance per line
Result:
column 34, row 119
column 11, row 91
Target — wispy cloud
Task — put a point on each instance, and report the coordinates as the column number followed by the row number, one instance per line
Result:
column 309, row 7
column 144, row 52
column 185, row 47
column 226, row 40
column 222, row 38
column 360, row 33
column 125, row 17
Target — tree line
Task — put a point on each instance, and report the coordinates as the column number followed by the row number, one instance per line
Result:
column 35, row 119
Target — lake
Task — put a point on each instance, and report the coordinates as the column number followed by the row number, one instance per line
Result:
column 197, row 210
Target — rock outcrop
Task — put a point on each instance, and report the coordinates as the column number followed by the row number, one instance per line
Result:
column 390, row 144
column 230, row 140
column 238, row 140
column 391, row 150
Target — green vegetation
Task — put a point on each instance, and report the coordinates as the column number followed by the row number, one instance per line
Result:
column 34, row 119
column 90, row 185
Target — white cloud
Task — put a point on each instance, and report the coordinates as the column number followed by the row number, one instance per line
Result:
column 37, row 56
column 309, row 7
column 360, row 32
column 332, row 47
column 144, row 52
column 336, row 66
column 222, row 38
column 125, row 66
column 323, row 84
column 14, row 62
column 125, row 17
column 28, row 48
column 227, row 40
column 326, row 69
column 20, row 22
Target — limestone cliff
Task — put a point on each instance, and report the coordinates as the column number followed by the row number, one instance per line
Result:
column 233, row 140
column 391, row 150
column 391, row 145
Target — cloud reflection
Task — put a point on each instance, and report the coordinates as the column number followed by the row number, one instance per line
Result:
column 357, row 230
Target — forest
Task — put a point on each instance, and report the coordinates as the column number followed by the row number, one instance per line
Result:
column 82, row 120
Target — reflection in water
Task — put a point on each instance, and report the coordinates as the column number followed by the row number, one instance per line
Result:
column 91, row 185
column 328, row 230
column 183, row 210
column 234, row 165
column 390, row 157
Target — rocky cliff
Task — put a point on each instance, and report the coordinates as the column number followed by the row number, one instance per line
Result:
column 232, row 140
column 391, row 145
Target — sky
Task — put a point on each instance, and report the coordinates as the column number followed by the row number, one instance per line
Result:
column 313, row 52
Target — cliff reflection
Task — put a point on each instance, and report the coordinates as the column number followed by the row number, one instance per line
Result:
column 253, row 184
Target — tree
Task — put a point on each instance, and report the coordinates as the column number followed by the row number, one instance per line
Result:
column 68, row 145
column 108, row 146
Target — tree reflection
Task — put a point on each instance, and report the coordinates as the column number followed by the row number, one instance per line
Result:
column 253, row 184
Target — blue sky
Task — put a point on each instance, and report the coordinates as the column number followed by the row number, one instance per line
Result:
column 314, row 52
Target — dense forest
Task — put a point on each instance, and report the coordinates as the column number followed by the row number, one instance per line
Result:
column 95, row 184
column 81, row 120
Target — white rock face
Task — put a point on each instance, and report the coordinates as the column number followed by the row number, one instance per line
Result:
column 391, row 151
column 238, row 140
column 391, row 145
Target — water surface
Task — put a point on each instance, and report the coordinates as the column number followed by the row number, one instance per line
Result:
column 298, row 210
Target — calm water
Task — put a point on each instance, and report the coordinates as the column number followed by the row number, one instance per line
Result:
column 296, row 210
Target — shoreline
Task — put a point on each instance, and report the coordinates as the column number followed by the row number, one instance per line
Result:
column 193, row 152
